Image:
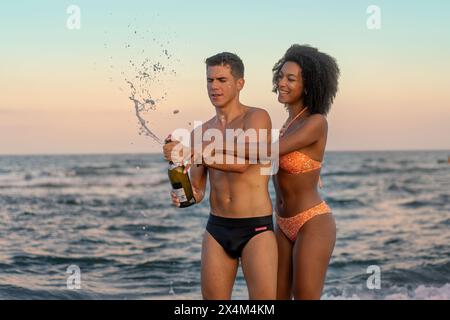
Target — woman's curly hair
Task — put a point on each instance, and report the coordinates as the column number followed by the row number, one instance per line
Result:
column 320, row 74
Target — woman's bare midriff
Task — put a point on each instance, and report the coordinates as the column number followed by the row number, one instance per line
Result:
column 296, row 193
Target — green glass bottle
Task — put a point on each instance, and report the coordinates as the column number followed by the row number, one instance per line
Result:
column 181, row 185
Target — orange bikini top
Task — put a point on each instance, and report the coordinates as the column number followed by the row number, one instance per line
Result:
column 297, row 162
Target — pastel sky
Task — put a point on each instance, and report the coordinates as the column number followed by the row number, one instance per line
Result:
column 62, row 90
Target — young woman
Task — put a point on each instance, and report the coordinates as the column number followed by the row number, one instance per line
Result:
column 305, row 80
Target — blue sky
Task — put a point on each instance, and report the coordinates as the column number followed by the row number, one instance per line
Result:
column 395, row 77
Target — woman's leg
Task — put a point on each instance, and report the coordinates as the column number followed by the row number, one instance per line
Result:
column 311, row 256
column 259, row 265
column 284, row 274
column 218, row 270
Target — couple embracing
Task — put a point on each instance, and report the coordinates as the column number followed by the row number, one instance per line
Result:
column 288, row 260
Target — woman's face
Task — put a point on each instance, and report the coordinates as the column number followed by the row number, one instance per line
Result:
column 290, row 83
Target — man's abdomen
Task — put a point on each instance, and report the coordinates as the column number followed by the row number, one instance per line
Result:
column 240, row 195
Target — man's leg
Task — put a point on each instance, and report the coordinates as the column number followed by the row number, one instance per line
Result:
column 259, row 265
column 218, row 270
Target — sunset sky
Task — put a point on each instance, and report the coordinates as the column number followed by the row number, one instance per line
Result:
column 63, row 90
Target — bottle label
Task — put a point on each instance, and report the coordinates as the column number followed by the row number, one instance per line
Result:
column 173, row 165
column 181, row 195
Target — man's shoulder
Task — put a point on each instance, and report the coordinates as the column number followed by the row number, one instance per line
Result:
column 257, row 110
column 205, row 125
column 208, row 123
column 257, row 115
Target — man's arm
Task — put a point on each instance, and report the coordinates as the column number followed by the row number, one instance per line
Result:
column 198, row 173
column 259, row 119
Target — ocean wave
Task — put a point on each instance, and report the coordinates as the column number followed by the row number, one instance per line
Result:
column 51, row 185
column 347, row 185
column 394, row 241
column 98, row 171
column 445, row 198
column 9, row 292
column 20, row 199
column 156, row 183
column 367, row 170
column 169, row 265
column 28, row 213
column 424, row 273
column 344, row 203
column 439, row 201
column 139, row 228
column 416, row 204
column 344, row 263
column 88, row 241
column 420, row 292
column 69, row 200
column 135, row 203
column 160, row 182
column 394, row 187
column 40, row 260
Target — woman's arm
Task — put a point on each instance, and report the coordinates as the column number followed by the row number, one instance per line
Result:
column 310, row 132
column 313, row 129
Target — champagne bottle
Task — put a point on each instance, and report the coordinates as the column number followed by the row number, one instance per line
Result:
column 181, row 185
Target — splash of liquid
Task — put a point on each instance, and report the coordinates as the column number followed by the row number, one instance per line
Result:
column 149, row 75
column 143, row 106
column 146, row 70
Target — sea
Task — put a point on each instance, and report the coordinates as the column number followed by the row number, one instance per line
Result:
column 103, row 227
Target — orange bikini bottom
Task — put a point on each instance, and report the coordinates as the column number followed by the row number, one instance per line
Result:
column 291, row 226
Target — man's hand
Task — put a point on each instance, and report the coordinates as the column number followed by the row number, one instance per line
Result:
column 175, row 200
column 169, row 154
column 198, row 195
column 175, row 151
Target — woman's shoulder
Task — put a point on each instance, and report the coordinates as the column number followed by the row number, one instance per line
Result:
column 318, row 120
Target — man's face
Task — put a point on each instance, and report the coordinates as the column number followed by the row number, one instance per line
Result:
column 222, row 86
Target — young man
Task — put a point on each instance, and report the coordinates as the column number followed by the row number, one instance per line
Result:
column 240, row 223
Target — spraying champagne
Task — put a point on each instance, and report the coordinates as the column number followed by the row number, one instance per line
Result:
column 181, row 185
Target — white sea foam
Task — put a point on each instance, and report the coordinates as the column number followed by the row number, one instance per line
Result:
column 421, row 292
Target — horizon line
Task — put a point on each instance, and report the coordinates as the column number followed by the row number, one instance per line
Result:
column 155, row 153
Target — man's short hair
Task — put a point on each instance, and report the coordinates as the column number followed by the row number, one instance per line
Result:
column 230, row 59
